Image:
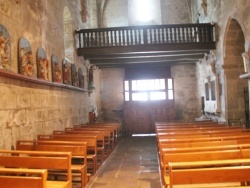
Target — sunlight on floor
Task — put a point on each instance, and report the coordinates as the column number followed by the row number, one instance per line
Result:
column 152, row 134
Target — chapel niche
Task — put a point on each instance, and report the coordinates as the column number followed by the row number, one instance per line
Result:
column 212, row 91
column 5, row 62
column 27, row 66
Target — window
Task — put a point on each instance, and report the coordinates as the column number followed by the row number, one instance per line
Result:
column 149, row 89
column 144, row 10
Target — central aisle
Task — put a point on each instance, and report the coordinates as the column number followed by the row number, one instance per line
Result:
column 133, row 164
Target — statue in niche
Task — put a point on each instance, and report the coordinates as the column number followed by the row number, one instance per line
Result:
column 4, row 48
column 84, row 11
column 56, row 69
column 246, row 60
column 75, row 81
column 66, row 72
column 42, row 64
column 26, row 62
column 81, row 78
column 91, row 76
column 204, row 7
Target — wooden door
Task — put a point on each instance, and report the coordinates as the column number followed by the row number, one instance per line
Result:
column 139, row 116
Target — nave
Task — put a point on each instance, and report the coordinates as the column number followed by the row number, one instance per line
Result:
column 133, row 163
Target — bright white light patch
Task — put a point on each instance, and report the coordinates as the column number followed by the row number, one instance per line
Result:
column 143, row 10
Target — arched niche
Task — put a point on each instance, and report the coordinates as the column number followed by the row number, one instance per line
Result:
column 42, row 64
column 81, row 78
column 74, row 75
column 234, row 87
column 66, row 72
column 56, row 69
column 5, row 54
column 27, row 66
column 68, row 35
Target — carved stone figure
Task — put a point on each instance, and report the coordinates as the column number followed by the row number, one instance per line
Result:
column 26, row 62
column 4, row 49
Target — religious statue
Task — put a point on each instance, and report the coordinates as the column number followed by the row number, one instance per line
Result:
column 27, row 65
column 4, row 52
column 43, row 68
column 67, row 72
column 246, row 61
column 91, row 76
column 56, row 69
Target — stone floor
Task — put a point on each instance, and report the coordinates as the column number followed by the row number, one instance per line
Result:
column 133, row 164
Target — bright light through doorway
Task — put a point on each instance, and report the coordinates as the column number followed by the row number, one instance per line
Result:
column 144, row 11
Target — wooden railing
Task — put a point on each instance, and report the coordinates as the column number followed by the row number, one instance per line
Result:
column 141, row 35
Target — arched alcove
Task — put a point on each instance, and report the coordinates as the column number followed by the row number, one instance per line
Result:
column 233, row 68
column 68, row 35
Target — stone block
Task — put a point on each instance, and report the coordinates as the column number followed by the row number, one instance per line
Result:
column 6, row 137
column 40, row 115
column 8, row 99
column 31, row 116
column 5, row 118
column 35, row 100
column 19, row 117
column 37, row 128
column 54, row 114
column 23, row 100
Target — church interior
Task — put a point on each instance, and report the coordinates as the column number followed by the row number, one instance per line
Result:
column 124, row 93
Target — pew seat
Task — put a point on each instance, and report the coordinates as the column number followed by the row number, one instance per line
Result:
column 77, row 149
column 52, row 161
column 207, row 172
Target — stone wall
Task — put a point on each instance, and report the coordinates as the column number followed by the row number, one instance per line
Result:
column 123, row 13
column 175, row 12
column 228, row 60
column 185, row 93
column 29, row 108
column 112, row 92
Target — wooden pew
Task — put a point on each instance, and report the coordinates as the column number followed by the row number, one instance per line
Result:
column 115, row 129
column 59, row 161
column 100, row 141
column 162, row 123
column 192, row 143
column 206, row 135
column 107, row 137
column 77, row 149
column 205, row 139
column 116, row 125
column 91, row 147
column 111, row 130
column 166, row 149
column 191, row 126
column 207, row 172
column 187, row 129
column 14, row 178
column 199, row 142
column 201, row 131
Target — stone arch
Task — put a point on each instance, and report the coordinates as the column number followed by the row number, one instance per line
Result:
column 234, row 43
column 68, row 35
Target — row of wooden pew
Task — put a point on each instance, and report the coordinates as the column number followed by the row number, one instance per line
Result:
column 59, row 159
column 203, row 155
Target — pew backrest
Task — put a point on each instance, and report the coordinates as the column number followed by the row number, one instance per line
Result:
column 60, row 161
column 14, row 177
